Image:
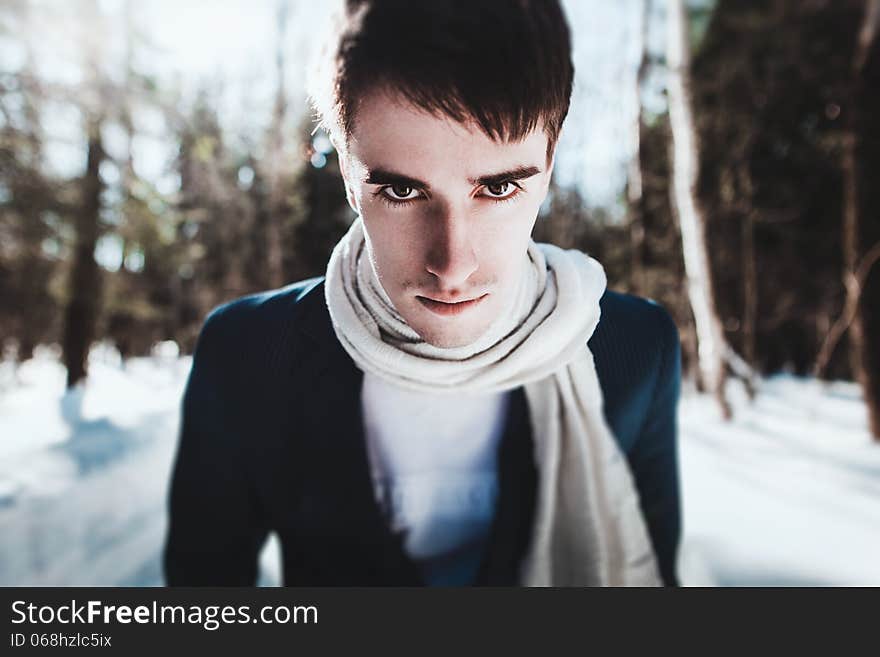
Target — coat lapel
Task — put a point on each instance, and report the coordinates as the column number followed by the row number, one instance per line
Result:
column 512, row 523
column 340, row 518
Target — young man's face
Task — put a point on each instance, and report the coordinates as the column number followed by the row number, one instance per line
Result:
column 447, row 214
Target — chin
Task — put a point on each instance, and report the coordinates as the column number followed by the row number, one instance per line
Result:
column 448, row 341
column 449, row 338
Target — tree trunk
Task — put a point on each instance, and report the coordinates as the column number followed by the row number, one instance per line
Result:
column 635, row 208
column 749, row 265
column 80, row 316
column 864, row 345
column 276, row 161
column 710, row 337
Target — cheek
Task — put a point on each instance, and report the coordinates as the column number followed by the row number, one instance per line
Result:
column 506, row 233
column 394, row 245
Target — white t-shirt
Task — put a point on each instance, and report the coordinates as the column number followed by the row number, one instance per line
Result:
column 434, row 466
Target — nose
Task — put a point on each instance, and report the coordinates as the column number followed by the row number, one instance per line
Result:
column 451, row 256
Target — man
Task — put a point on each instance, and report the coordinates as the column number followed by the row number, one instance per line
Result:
column 452, row 404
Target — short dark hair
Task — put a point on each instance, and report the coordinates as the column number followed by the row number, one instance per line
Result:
column 504, row 64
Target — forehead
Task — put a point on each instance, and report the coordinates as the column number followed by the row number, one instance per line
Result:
column 389, row 132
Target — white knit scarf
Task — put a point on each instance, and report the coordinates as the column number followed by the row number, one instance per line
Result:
column 588, row 528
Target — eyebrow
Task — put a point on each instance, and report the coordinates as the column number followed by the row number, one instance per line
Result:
column 379, row 176
column 518, row 173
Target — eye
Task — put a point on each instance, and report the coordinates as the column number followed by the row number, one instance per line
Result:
column 502, row 190
column 400, row 192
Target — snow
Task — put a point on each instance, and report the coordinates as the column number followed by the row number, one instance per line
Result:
column 788, row 493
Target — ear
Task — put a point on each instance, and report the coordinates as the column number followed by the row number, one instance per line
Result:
column 549, row 176
column 552, row 157
column 349, row 189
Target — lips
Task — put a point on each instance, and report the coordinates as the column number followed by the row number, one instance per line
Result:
column 450, row 308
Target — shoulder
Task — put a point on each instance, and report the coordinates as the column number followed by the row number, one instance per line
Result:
column 641, row 322
column 263, row 316
column 258, row 329
column 260, row 309
column 636, row 348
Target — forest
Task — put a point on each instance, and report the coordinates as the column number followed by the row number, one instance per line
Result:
column 749, row 205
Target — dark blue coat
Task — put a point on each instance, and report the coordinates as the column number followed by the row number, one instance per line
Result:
column 271, row 439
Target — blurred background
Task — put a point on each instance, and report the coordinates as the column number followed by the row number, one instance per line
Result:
column 158, row 158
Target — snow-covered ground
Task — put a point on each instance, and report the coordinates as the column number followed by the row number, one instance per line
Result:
column 786, row 494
